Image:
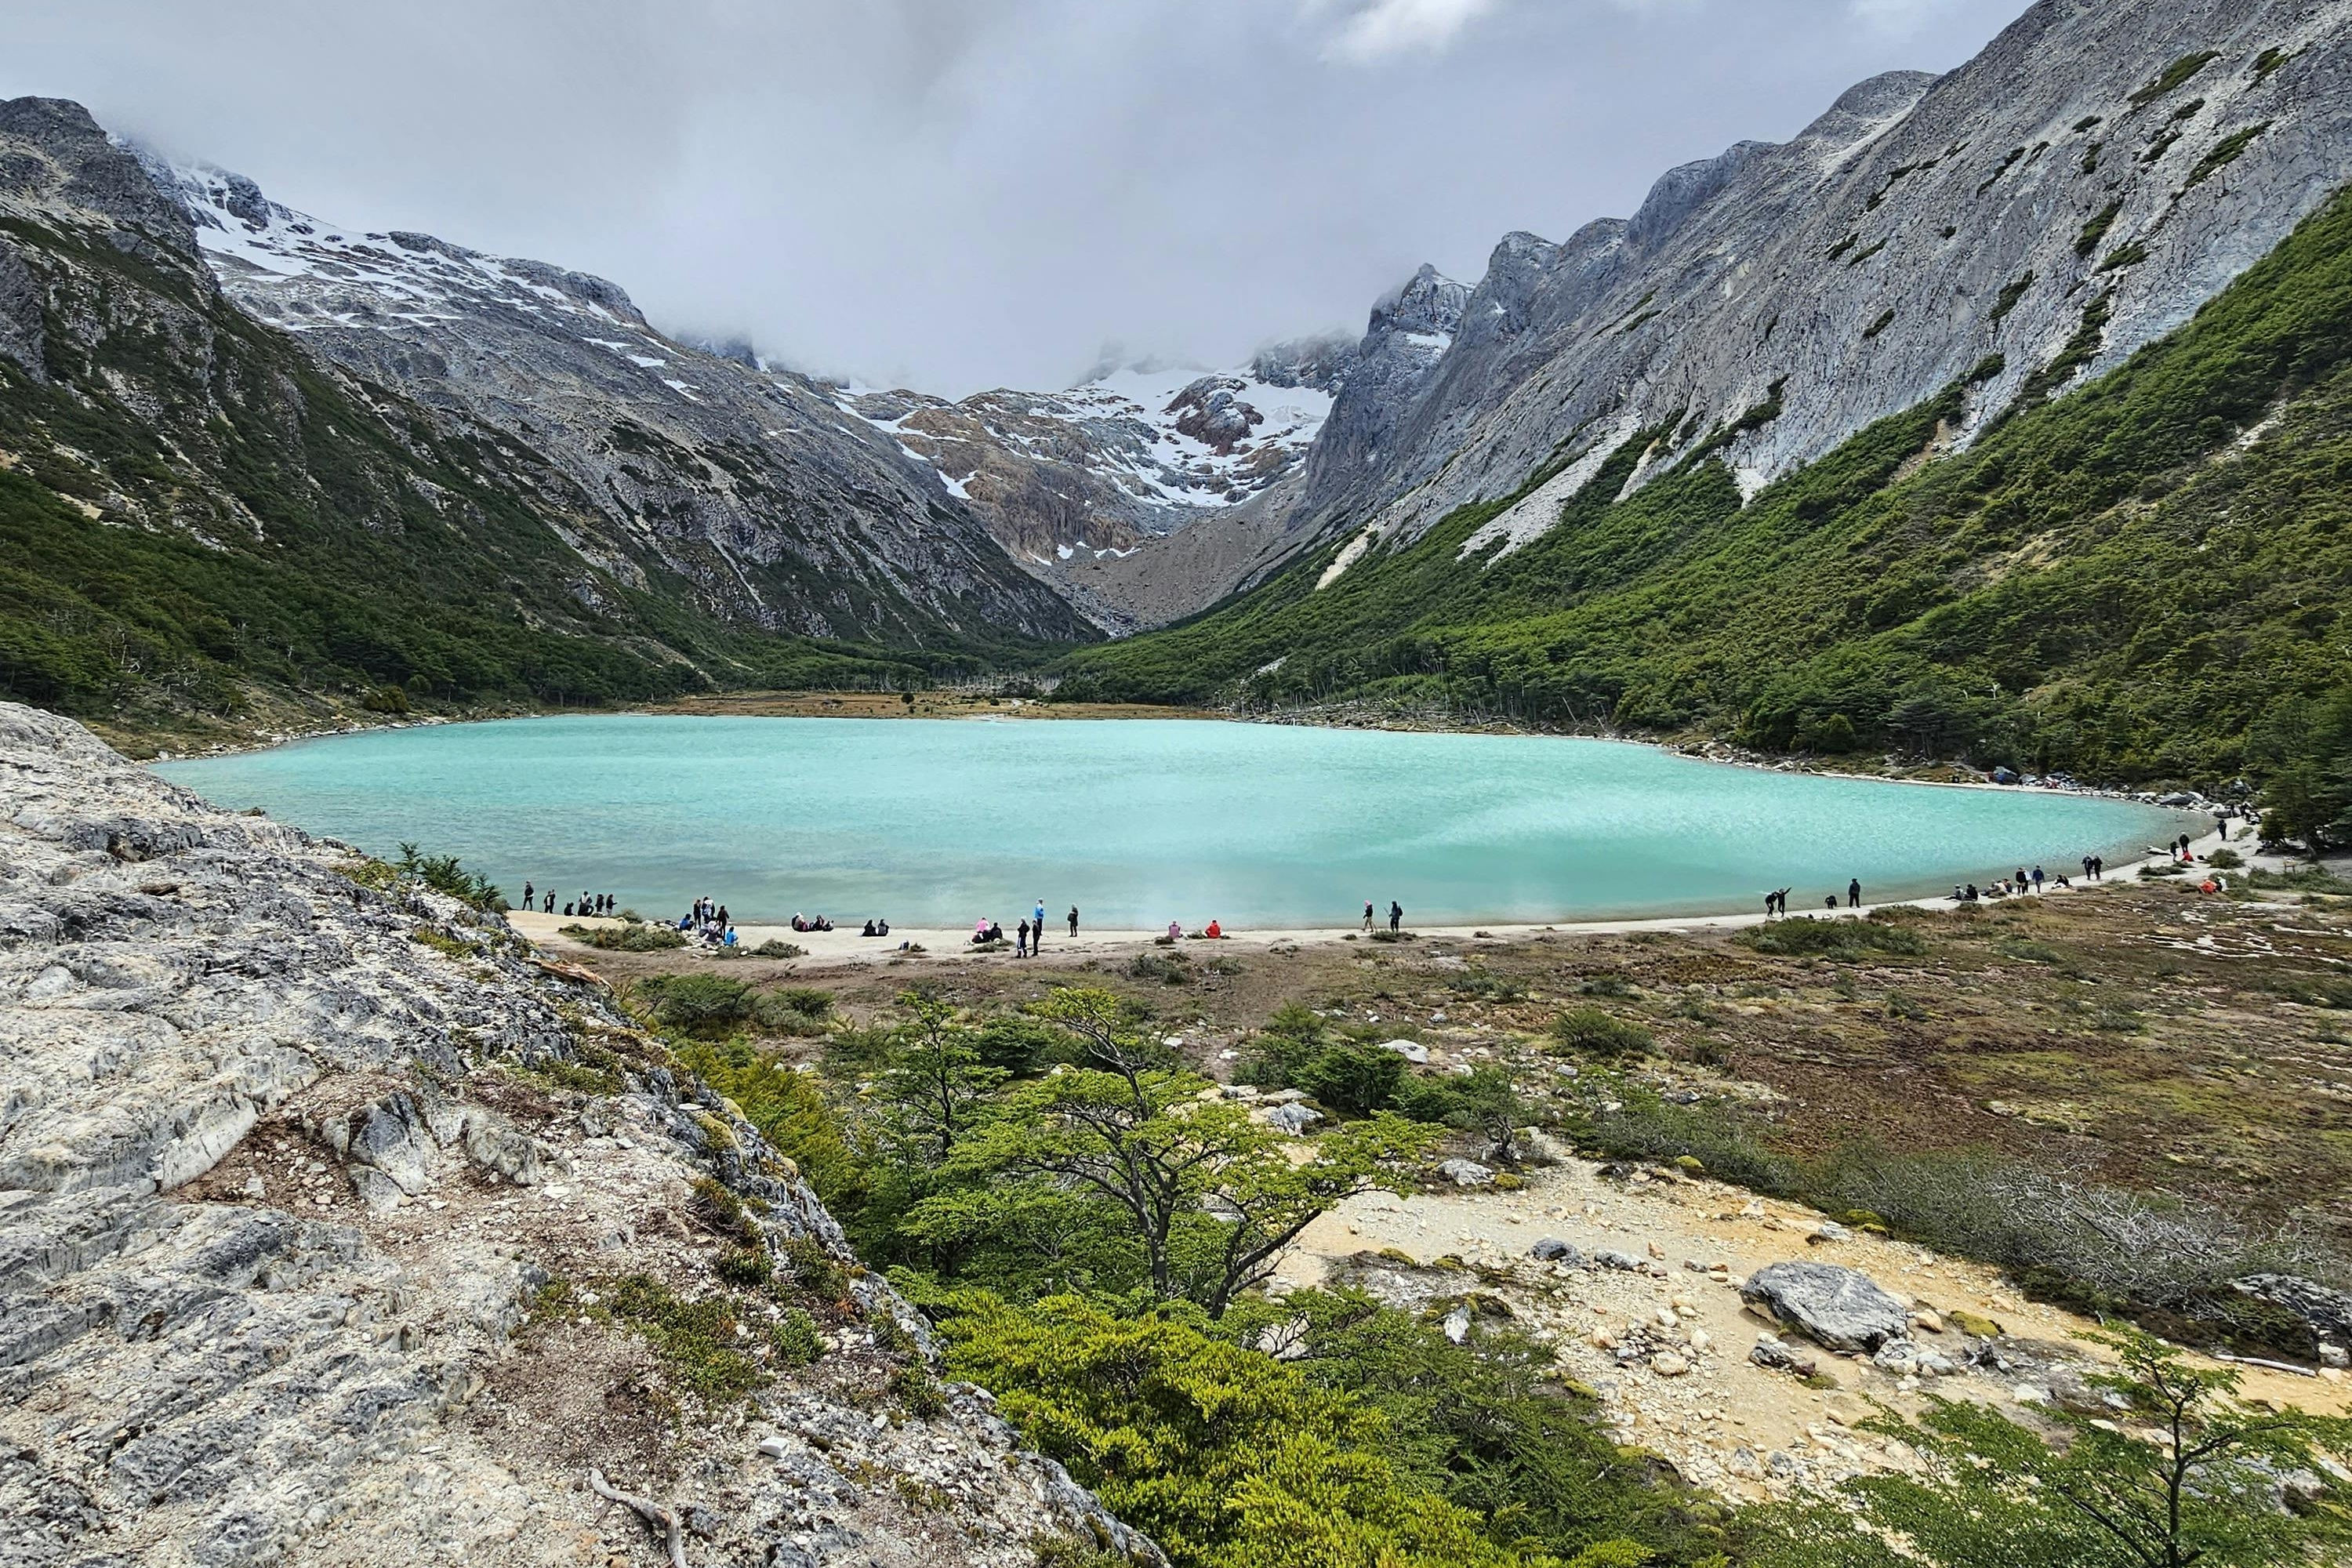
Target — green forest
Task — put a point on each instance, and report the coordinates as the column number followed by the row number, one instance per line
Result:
column 2142, row 580
column 1092, row 1236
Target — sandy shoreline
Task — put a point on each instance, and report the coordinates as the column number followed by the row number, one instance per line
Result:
column 845, row 945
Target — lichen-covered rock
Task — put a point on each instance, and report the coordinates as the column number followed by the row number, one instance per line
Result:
column 279, row 1191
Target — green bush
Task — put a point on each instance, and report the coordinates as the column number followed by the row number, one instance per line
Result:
column 1353, row 1079
column 1591, row 1032
column 1841, row 940
column 626, row 939
column 700, row 1004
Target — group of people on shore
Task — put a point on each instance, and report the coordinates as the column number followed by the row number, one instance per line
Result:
column 2023, row 883
column 1028, row 933
column 1396, row 915
column 589, row 905
column 706, row 923
column 1776, row 903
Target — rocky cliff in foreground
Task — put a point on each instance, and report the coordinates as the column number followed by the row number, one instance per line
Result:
column 333, row 1228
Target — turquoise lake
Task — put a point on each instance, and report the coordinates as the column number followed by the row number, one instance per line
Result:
column 1141, row 822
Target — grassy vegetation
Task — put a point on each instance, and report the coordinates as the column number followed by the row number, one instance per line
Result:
column 1963, row 1081
column 2132, row 582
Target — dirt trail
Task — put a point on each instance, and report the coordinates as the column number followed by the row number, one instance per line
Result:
column 1727, row 1422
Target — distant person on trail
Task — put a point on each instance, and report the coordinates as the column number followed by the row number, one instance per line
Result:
column 1037, row 927
column 1854, row 894
column 2037, row 879
column 1770, row 899
column 1021, row 950
column 525, row 895
column 1073, row 919
column 1396, row 915
column 1368, row 914
column 1829, row 902
column 551, row 904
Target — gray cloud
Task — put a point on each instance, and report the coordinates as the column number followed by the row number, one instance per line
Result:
column 966, row 193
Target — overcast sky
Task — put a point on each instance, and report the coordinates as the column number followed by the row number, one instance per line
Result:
column 959, row 193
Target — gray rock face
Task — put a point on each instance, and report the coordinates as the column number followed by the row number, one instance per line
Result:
column 277, row 1191
column 1920, row 228
column 742, row 479
column 1836, row 1308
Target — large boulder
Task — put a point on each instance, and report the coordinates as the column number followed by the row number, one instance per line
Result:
column 1837, row 1308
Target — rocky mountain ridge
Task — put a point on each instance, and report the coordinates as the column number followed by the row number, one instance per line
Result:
column 1093, row 487
column 326, row 1210
column 742, row 479
column 2074, row 192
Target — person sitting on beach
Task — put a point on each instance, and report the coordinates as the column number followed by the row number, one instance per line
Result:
column 1175, row 931
column 730, row 937
column 868, row 931
column 980, row 930
column 567, row 909
column 881, row 928
column 995, row 932
column 1215, row 932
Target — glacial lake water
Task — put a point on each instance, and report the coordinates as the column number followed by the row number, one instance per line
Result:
column 1139, row 822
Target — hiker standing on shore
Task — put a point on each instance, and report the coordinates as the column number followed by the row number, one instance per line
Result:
column 1396, row 915
column 525, row 895
column 1021, row 939
column 1037, row 928
column 1854, row 894
column 1074, row 922
column 1368, row 914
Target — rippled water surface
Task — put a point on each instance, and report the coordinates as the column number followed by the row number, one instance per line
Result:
column 1141, row 822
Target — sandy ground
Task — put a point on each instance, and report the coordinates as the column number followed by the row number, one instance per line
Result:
column 845, row 945
column 1726, row 1423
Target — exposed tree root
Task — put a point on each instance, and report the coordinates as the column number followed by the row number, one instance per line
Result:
column 654, row 1515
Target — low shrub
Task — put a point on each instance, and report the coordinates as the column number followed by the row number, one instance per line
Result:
column 1590, row 1031
column 1351, row 1079
column 700, row 1004
column 1840, row 941
column 773, row 948
column 746, row 1265
column 1169, row 969
column 625, row 938
column 1482, row 985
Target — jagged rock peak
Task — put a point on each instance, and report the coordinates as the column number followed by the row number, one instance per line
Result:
column 57, row 157
column 1428, row 302
column 1867, row 108
column 1321, row 362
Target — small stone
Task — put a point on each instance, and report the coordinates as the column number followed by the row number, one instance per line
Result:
column 1929, row 1319
column 1666, row 1363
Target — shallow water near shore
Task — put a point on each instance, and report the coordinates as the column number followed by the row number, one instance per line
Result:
column 1141, row 821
